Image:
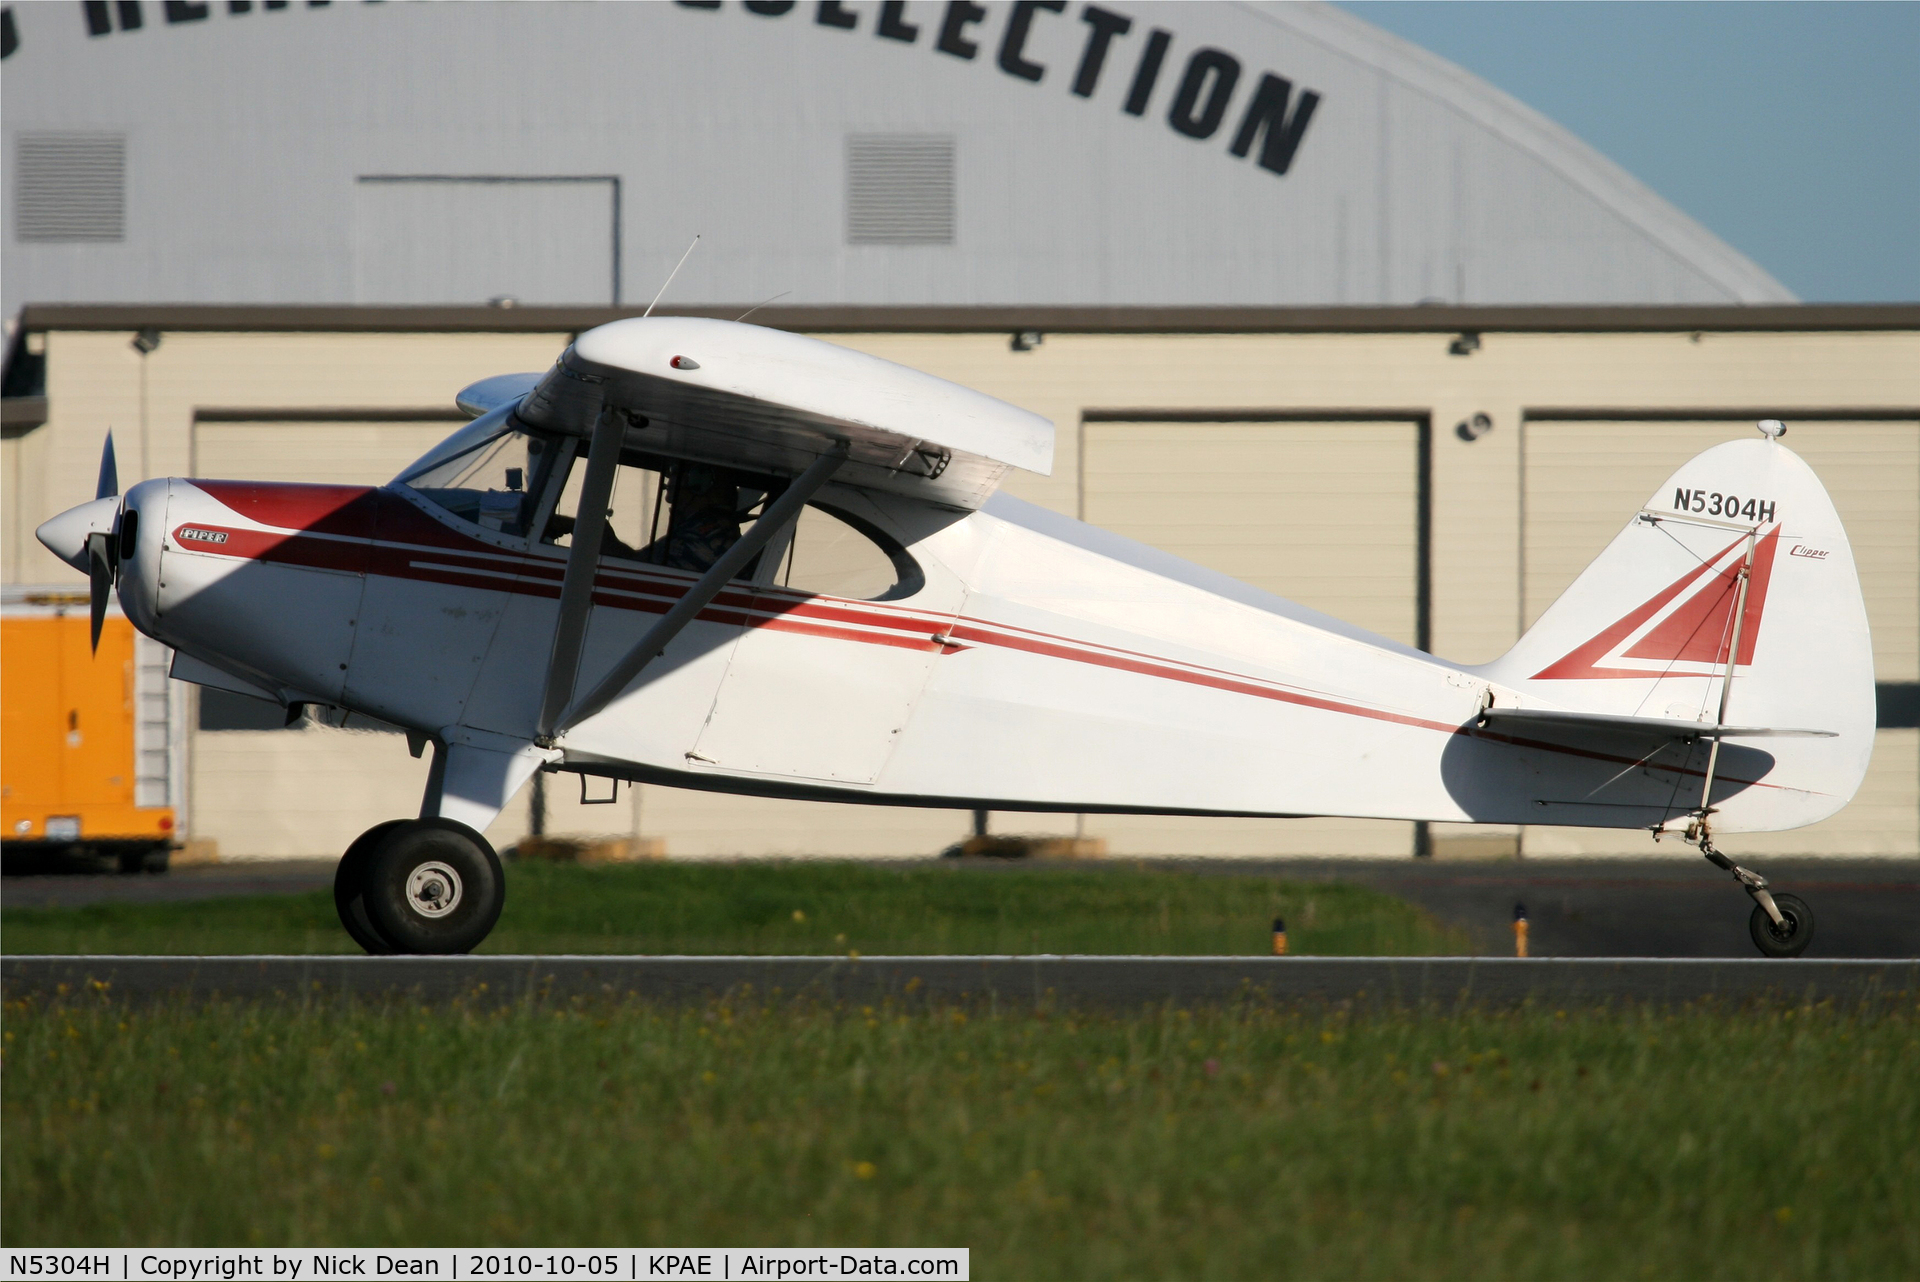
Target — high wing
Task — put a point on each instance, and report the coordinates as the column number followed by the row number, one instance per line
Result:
column 761, row 400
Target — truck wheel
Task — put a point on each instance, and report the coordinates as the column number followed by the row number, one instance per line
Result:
column 142, row 859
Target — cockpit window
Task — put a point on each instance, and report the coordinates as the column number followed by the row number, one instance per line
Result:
column 490, row 474
column 835, row 553
column 666, row 512
column 681, row 514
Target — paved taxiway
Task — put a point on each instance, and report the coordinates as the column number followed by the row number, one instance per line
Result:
column 1665, row 907
column 1648, row 907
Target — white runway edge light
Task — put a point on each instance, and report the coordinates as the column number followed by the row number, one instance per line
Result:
column 1772, row 427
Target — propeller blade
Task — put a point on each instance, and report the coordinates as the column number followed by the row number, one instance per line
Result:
column 109, row 485
column 99, row 581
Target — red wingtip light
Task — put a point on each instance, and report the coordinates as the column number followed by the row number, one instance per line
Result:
column 684, row 362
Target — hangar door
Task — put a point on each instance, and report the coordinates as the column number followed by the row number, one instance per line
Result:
column 1584, row 480
column 1323, row 513
column 259, row 789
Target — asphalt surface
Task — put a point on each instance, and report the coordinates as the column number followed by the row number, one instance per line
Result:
column 1663, row 907
column 1017, row 982
column 58, row 887
column 1679, row 907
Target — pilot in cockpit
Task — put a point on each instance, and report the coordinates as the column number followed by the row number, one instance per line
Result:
column 705, row 520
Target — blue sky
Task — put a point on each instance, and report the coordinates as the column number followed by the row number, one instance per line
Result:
column 1791, row 130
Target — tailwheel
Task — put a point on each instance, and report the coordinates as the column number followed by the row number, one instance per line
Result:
column 1781, row 925
column 1791, row 935
column 423, row 886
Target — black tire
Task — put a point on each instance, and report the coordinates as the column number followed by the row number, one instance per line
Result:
column 349, row 881
column 134, row 860
column 434, row 886
column 1772, row 940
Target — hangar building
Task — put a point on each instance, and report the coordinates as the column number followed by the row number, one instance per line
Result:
column 1304, row 302
column 852, row 152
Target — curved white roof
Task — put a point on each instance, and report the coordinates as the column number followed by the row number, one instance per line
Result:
column 1510, row 122
column 854, row 153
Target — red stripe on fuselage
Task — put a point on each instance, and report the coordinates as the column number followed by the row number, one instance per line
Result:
column 316, row 509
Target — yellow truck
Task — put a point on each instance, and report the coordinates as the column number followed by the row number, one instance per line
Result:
column 89, row 755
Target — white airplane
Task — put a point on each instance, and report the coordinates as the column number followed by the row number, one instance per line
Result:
column 1709, row 674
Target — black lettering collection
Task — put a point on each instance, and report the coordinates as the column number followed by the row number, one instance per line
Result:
column 1203, row 96
column 103, row 18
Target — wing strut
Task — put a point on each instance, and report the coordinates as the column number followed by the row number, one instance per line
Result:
column 779, row 513
column 583, row 558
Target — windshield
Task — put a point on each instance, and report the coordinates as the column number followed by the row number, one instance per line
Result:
column 487, row 426
column 489, row 473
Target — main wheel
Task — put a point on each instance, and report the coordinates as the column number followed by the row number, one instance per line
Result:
column 349, row 882
column 433, row 886
column 1789, row 940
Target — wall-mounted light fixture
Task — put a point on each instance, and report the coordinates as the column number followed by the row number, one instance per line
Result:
column 1465, row 343
column 146, row 341
column 1472, row 429
column 1026, row 340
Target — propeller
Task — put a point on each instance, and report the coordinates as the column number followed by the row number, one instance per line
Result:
column 102, row 563
column 109, row 486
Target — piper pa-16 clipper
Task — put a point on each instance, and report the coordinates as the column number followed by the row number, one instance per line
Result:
column 1709, row 674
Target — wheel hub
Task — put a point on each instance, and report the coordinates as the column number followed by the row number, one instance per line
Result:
column 433, row 889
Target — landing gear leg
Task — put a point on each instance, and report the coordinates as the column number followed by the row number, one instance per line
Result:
column 1781, row 925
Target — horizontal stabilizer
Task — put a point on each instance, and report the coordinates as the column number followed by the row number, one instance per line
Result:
column 1516, row 720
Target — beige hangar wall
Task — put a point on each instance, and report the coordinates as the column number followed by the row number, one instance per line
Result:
column 1289, row 459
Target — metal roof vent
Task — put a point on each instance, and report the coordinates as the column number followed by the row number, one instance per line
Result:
column 899, row 189
column 70, row 186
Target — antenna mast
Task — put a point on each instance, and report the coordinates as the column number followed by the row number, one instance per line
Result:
column 670, row 275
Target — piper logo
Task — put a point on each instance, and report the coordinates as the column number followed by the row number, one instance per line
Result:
column 189, row 533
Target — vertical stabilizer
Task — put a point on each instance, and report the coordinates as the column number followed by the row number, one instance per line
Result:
column 1735, row 589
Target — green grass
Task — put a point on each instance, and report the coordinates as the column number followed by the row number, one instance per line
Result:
column 1222, row 1143
column 796, row 907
